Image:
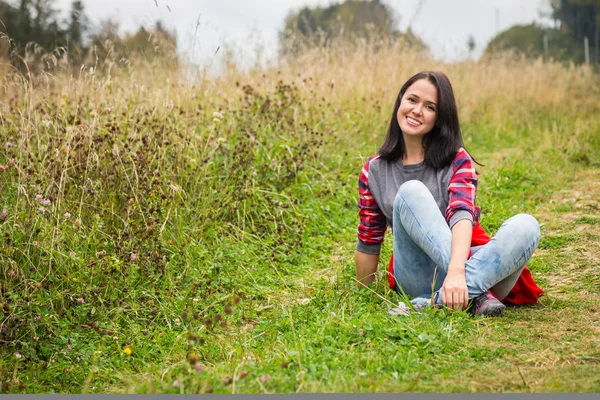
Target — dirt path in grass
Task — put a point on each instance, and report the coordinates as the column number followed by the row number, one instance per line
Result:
column 557, row 343
column 571, row 231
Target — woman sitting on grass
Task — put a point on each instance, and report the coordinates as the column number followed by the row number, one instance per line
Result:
column 422, row 183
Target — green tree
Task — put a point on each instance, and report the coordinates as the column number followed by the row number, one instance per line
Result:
column 471, row 44
column 31, row 21
column 157, row 42
column 46, row 30
column 75, row 31
column 351, row 19
column 146, row 44
column 580, row 19
column 528, row 41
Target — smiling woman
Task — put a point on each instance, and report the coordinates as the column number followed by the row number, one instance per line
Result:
column 423, row 184
column 417, row 111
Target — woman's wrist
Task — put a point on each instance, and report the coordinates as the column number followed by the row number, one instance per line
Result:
column 456, row 266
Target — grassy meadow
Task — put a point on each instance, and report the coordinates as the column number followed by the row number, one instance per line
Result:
column 166, row 235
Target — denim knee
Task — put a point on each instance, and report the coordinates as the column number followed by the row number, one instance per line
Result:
column 408, row 190
column 529, row 227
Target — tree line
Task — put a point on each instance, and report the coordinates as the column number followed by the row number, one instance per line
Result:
column 575, row 23
column 32, row 29
column 29, row 29
column 574, row 20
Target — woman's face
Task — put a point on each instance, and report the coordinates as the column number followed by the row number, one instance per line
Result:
column 418, row 109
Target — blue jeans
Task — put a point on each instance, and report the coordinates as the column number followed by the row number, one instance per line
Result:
column 423, row 240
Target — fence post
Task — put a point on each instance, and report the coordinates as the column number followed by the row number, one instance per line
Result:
column 586, row 50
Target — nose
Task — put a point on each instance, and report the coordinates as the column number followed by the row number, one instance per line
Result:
column 417, row 109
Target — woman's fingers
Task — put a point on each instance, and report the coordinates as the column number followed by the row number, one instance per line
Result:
column 465, row 299
column 457, row 298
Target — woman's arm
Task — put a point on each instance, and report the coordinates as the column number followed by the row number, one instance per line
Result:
column 461, row 214
column 371, row 229
column 366, row 266
column 455, row 293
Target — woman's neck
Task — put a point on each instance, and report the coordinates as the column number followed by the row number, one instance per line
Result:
column 415, row 153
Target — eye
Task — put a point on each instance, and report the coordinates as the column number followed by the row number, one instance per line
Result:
column 431, row 107
column 411, row 99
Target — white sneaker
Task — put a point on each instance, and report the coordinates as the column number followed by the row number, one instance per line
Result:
column 402, row 309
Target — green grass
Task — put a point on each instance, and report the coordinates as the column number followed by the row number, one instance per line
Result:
column 219, row 249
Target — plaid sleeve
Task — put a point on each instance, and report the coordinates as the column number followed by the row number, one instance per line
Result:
column 372, row 226
column 462, row 190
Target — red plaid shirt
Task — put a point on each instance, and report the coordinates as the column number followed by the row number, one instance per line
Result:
column 461, row 190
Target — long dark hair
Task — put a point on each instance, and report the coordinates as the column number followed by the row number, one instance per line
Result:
column 443, row 141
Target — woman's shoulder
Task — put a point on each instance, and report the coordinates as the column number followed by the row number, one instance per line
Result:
column 371, row 159
column 364, row 172
column 462, row 158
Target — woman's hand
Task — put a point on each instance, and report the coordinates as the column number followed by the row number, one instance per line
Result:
column 366, row 267
column 455, row 293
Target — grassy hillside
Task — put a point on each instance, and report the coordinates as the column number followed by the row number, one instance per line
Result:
column 163, row 236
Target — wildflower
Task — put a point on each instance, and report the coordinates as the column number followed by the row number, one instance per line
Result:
column 46, row 202
column 133, row 257
column 69, row 347
column 3, row 167
column 175, row 383
column 192, row 337
column 18, row 355
column 67, row 215
column 4, row 214
column 192, row 359
column 243, row 374
column 39, row 197
column 12, row 273
column 80, row 300
column 127, row 350
column 199, row 367
column 265, row 377
column 236, row 299
column 228, row 309
column 217, row 117
column 303, row 302
column 9, row 144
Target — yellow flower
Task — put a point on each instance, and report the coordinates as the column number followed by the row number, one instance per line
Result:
column 127, row 351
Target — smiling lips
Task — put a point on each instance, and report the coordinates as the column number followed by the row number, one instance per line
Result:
column 413, row 122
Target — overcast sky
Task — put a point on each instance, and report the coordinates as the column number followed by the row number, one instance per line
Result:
column 445, row 25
